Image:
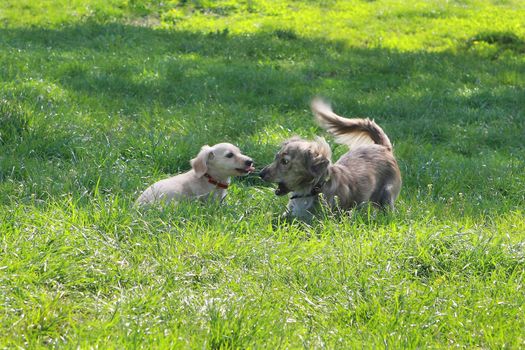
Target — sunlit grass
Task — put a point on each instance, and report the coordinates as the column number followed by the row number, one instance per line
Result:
column 98, row 99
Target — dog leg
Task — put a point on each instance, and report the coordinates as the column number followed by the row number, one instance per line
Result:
column 386, row 197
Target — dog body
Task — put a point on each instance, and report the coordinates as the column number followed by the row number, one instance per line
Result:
column 367, row 173
column 207, row 180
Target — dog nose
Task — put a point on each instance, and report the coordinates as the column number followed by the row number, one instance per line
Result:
column 249, row 162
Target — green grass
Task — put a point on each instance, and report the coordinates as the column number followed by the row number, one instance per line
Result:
column 98, row 99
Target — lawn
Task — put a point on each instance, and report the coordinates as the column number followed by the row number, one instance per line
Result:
column 100, row 98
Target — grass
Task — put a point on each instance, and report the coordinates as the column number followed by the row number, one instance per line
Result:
column 98, row 99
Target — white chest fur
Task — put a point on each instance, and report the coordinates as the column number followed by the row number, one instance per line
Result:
column 302, row 207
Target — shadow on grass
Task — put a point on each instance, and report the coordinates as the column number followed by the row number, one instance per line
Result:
column 127, row 67
column 150, row 98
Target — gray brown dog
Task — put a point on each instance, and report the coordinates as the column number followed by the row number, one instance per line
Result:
column 367, row 173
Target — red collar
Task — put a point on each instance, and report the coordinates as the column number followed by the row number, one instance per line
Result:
column 215, row 182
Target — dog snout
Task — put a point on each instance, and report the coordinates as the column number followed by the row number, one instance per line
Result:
column 264, row 173
column 248, row 162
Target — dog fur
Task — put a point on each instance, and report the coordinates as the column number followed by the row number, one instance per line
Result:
column 208, row 178
column 367, row 173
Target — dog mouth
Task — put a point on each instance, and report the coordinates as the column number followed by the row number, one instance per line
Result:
column 281, row 189
column 247, row 170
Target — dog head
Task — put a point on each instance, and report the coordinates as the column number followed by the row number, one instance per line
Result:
column 221, row 160
column 299, row 165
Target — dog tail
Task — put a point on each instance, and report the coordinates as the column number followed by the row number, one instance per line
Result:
column 351, row 132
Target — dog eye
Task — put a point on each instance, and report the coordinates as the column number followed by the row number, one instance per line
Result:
column 229, row 155
column 284, row 161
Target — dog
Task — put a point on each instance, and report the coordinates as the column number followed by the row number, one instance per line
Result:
column 368, row 172
column 208, row 179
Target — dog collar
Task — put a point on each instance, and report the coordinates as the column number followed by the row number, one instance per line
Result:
column 215, row 182
column 295, row 196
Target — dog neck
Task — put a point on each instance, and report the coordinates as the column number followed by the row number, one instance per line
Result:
column 312, row 193
column 224, row 185
column 302, row 204
column 315, row 190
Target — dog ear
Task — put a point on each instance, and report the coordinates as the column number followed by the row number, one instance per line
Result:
column 322, row 147
column 318, row 165
column 318, row 156
column 200, row 163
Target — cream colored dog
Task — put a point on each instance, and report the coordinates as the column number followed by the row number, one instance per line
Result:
column 207, row 180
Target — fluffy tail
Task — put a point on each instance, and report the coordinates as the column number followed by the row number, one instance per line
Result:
column 351, row 132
